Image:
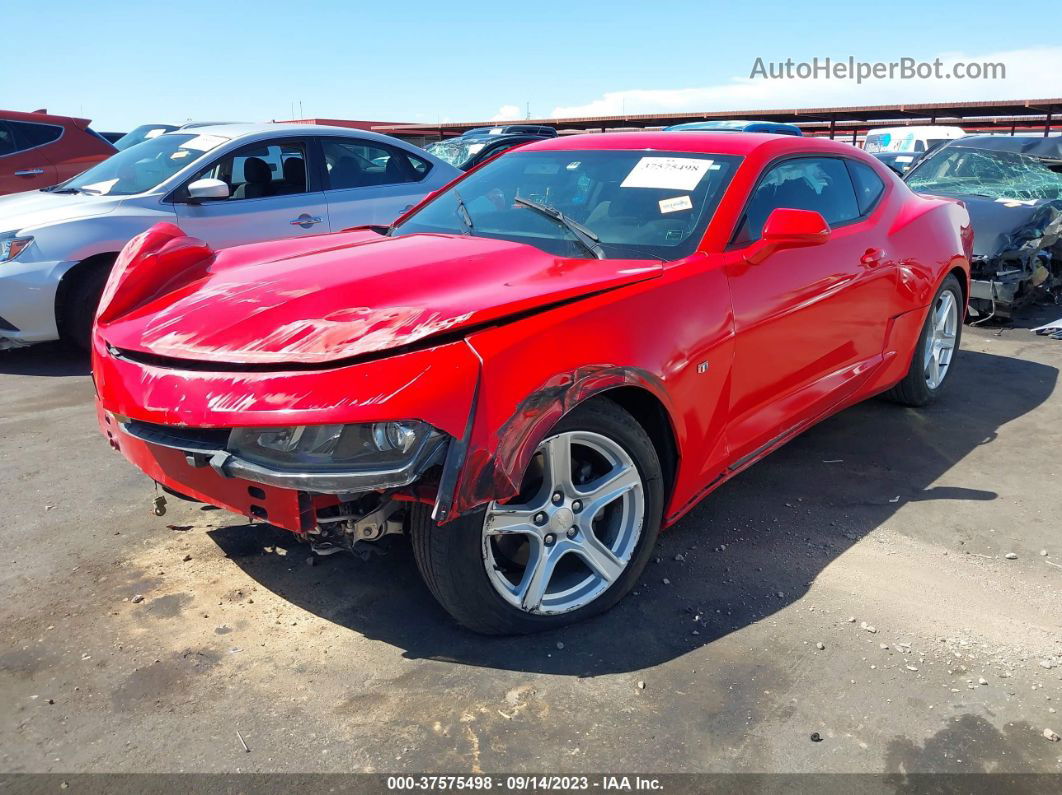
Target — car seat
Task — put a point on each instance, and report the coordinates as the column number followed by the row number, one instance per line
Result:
column 257, row 179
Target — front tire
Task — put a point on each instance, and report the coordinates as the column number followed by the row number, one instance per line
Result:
column 80, row 304
column 569, row 546
column 937, row 345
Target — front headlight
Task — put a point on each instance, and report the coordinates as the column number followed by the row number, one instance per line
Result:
column 334, row 448
column 11, row 246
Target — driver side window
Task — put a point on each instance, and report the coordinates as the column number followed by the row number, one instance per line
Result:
column 821, row 184
column 261, row 170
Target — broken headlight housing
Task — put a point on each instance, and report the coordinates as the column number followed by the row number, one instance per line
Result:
column 377, row 446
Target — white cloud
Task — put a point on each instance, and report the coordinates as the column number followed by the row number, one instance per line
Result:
column 1030, row 74
column 507, row 113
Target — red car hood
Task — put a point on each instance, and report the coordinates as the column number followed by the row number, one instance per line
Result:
column 320, row 299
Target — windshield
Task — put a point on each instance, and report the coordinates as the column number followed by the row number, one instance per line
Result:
column 142, row 133
column 144, row 166
column 958, row 171
column 638, row 205
column 456, row 151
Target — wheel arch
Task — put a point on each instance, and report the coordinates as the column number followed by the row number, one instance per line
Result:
column 651, row 413
column 72, row 277
column 963, row 277
column 496, row 473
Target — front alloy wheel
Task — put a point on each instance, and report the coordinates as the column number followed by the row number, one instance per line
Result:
column 570, row 545
column 561, row 549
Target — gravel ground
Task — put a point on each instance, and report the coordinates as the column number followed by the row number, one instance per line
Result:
column 882, row 595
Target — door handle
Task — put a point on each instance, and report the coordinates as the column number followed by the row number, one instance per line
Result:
column 872, row 257
column 29, row 172
column 305, row 220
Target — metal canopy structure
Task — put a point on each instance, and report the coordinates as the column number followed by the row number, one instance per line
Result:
column 1019, row 115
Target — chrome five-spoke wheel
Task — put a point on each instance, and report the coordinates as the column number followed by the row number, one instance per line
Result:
column 940, row 339
column 569, row 545
column 573, row 529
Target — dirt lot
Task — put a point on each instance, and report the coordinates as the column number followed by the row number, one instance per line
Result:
column 134, row 643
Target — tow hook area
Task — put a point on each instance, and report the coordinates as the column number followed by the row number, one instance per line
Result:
column 350, row 526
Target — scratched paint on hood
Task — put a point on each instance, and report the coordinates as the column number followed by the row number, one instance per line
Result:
column 352, row 296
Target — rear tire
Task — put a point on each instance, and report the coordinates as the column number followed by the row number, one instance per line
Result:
column 940, row 337
column 595, row 540
column 79, row 306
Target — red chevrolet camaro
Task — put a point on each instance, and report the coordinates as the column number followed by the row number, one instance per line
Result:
column 542, row 364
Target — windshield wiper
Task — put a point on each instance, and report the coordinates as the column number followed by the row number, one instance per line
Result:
column 588, row 239
column 462, row 210
column 56, row 189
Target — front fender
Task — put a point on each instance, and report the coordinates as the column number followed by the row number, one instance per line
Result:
column 493, row 472
column 671, row 337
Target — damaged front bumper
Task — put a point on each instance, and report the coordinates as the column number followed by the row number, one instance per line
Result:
column 1017, row 256
column 206, row 448
column 996, row 291
column 173, row 422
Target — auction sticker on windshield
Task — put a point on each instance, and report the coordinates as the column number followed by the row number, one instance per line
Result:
column 667, row 173
column 676, row 204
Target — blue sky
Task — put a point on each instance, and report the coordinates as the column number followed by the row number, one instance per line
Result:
column 125, row 63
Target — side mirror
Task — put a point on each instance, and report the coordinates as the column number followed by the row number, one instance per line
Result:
column 788, row 228
column 207, row 189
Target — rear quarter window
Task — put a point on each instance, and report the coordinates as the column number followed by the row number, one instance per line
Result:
column 868, row 186
column 29, row 135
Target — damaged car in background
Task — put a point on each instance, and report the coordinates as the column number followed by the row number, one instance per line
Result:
column 542, row 364
column 1012, row 188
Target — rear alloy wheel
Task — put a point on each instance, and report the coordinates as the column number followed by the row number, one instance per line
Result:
column 942, row 335
column 570, row 545
column 936, row 349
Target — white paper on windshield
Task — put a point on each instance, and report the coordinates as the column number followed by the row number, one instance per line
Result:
column 101, row 187
column 667, row 173
column 203, row 143
column 676, row 204
column 904, row 158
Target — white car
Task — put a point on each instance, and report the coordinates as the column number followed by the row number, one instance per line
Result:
column 226, row 184
column 916, row 140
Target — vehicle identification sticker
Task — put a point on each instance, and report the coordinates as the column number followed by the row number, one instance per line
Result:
column 667, row 173
column 676, row 204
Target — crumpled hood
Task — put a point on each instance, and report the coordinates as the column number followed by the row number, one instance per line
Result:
column 36, row 208
column 331, row 297
column 1001, row 225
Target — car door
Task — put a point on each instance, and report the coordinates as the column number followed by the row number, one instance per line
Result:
column 273, row 193
column 369, row 182
column 23, row 164
column 810, row 322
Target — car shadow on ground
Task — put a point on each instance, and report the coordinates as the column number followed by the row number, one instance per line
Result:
column 749, row 550
column 50, row 359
